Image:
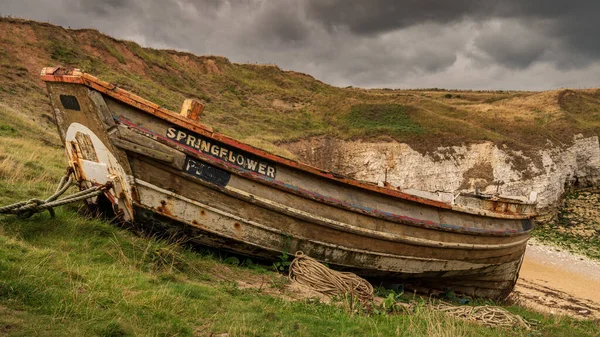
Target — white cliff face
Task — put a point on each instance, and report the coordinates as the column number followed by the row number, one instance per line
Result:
column 460, row 168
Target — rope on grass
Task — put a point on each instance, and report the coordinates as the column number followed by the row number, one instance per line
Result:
column 486, row 315
column 310, row 272
column 29, row 207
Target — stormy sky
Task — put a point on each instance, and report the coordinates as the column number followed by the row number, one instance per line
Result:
column 464, row 44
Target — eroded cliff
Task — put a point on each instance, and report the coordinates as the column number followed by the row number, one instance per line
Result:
column 486, row 166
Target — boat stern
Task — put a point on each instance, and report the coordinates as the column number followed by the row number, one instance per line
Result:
column 86, row 136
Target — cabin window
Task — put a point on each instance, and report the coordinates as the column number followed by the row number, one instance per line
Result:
column 70, row 102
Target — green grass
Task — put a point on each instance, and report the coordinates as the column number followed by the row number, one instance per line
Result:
column 6, row 130
column 553, row 233
column 73, row 276
column 64, row 54
column 378, row 119
column 109, row 47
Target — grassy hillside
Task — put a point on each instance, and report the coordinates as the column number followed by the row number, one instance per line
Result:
column 264, row 105
column 79, row 276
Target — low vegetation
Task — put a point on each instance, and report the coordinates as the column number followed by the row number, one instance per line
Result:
column 559, row 235
column 577, row 224
column 366, row 120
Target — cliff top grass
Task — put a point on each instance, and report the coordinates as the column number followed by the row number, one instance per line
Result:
column 265, row 105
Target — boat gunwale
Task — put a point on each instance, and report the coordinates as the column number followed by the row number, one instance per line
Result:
column 74, row 76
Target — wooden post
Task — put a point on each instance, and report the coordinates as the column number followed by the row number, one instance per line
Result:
column 192, row 109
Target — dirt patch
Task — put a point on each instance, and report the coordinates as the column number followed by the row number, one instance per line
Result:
column 132, row 62
column 282, row 288
column 285, row 105
column 566, row 97
column 272, row 284
column 480, row 176
column 541, row 298
column 23, row 50
column 211, row 67
column 10, row 319
column 198, row 64
column 189, row 64
column 321, row 152
column 523, row 162
column 102, row 46
column 557, row 282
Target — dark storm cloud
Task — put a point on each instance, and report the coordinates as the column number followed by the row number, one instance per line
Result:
column 370, row 17
column 573, row 24
column 365, row 17
column 511, row 44
column 413, row 43
column 104, row 8
column 283, row 21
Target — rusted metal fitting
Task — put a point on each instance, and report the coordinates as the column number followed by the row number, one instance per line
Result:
column 192, row 109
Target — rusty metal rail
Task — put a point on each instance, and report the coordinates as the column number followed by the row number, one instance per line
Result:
column 29, row 207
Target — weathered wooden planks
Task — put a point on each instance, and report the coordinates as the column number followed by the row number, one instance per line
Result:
column 232, row 196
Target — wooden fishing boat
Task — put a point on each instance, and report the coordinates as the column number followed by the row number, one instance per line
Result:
column 223, row 193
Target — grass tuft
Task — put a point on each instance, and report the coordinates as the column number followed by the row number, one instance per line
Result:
column 6, row 130
column 109, row 48
column 380, row 119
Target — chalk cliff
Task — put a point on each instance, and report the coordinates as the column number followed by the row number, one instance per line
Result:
column 490, row 168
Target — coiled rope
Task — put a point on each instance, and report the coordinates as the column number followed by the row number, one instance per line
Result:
column 29, row 207
column 313, row 274
column 310, row 272
column 485, row 314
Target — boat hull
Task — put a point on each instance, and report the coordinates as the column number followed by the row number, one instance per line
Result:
column 244, row 228
column 227, row 195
